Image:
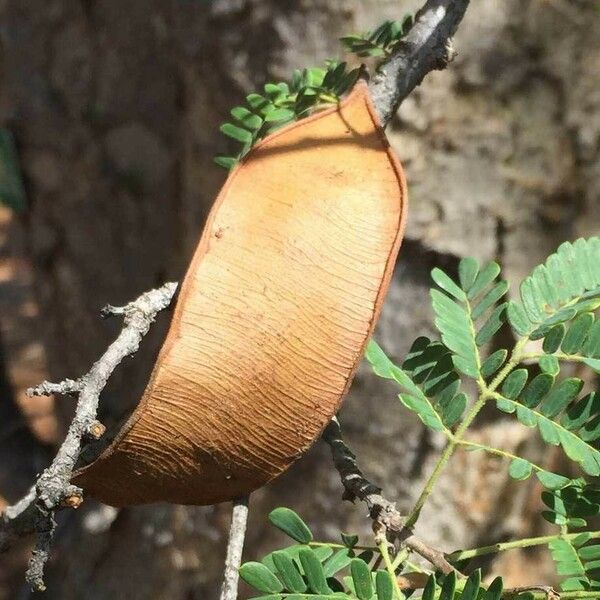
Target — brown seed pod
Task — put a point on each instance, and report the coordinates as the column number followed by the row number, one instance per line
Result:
column 273, row 315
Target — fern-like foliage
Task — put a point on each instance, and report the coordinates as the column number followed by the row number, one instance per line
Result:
column 381, row 42
column 281, row 103
column 565, row 286
column 561, row 418
column 309, row 570
column 429, row 380
column 554, row 322
column 310, row 90
column 462, row 311
column 467, row 317
column 577, row 555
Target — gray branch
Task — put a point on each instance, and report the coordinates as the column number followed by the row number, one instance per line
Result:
column 53, row 489
column 235, row 546
column 427, row 47
column 383, row 512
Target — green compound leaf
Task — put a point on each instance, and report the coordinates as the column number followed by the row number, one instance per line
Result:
column 430, row 366
column 472, row 589
column 290, row 523
column 425, row 365
column 457, row 312
column 571, row 506
column 565, row 286
column 310, row 90
column 380, row 42
column 574, row 442
column 568, row 562
column 454, row 324
column 260, row 578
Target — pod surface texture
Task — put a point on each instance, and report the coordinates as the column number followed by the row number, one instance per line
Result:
column 272, row 318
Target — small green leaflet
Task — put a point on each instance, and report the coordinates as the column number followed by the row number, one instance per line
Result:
column 289, row 522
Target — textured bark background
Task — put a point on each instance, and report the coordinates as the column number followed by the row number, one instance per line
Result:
column 115, row 106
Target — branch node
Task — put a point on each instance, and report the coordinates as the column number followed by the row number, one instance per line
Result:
column 426, row 47
column 73, row 497
column 96, row 430
column 450, row 51
column 384, row 513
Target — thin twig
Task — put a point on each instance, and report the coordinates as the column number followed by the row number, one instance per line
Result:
column 460, row 555
column 427, row 47
column 547, row 592
column 53, row 490
column 383, row 512
column 235, row 546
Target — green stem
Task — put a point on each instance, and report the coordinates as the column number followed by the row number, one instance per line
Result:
column 340, row 546
column 400, row 558
column 383, row 549
column 563, row 595
column 485, row 393
column 416, row 568
column 524, row 543
column 576, row 358
column 497, row 452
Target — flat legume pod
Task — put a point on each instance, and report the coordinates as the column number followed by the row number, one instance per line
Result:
column 273, row 316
